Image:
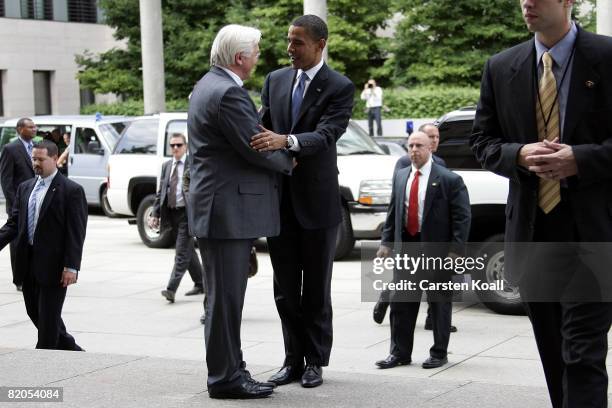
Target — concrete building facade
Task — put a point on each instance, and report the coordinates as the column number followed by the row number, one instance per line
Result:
column 40, row 39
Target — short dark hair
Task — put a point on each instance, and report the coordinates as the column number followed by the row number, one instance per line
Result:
column 182, row 136
column 22, row 122
column 424, row 125
column 47, row 145
column 315, row 27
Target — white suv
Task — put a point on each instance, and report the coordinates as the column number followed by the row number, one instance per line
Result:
column 365, row 172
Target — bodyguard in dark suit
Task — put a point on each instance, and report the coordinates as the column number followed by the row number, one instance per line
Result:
column 544, row 121
column 48, row 225
column 234, row 199
column 15, row 168
column 170, row 204
column 306, row 108
column 431, row 130
column 429, row 204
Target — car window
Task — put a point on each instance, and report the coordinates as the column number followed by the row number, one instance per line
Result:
column 454, row 146
column 112, row 132
column 173, row 127
column 139, row 137
column 356, row 141
column 7, row 135
column 86, row 141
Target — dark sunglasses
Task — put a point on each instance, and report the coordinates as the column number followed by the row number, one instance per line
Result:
column 177, row 145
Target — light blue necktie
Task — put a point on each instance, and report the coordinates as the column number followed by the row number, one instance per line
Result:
column 30, row 149
column 32, row 209
column 298, row 97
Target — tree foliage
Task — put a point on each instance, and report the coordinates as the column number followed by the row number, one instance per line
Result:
column 189, row 27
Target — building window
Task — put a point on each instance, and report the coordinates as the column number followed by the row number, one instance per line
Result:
column 82, row 11
column 87, row 97
column 42, row 92
column 37, row 9
column 1, row 8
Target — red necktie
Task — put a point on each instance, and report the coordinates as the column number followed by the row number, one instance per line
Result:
column 412, row 224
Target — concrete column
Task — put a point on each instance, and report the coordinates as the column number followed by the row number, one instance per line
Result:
column 604, row 17
column 319, row 9
column 152, row 56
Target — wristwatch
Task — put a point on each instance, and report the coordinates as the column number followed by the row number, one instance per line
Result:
column 289, row 142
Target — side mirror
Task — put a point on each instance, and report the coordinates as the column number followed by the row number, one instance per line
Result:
column 94, row 147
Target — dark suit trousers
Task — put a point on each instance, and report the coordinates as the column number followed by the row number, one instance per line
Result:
column 186, row 257
column 44, row 307
column 404, row 309
column 17, row 280
column 226, row 268
column 302, row 260
column 571, row 336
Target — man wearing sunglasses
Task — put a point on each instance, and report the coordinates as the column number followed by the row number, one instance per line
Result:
column 170, row 205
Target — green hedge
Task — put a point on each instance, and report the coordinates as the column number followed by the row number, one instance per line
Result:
column 428, row 102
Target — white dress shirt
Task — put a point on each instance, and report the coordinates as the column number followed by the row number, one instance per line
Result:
column 373, row 97
column 40, row 197
column 423, row 181
column 180, row 201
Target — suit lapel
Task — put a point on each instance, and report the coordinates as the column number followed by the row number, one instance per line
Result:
column 433, row 184
column 580, row 96
column 25, row 154
column 55, row 184
column 313, row 92
column 285, row 97
column 522, row 85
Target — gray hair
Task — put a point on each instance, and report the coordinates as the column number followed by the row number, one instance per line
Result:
column 231, row 40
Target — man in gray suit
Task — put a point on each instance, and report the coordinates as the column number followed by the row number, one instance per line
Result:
column 234, row 199
column 170, row 204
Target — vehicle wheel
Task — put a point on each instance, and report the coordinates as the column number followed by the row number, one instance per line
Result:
column 345, row 242
column 508, row 300
column 153, row 238
column 104, row 204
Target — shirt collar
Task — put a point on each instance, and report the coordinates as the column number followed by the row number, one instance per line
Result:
column 49, row 178
column 25, row 142
column 233, row 75
column 426, row 169
column 561, row 51
column 182, row 159
column 312, row 72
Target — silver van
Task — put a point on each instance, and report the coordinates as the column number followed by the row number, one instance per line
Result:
column 92, row 139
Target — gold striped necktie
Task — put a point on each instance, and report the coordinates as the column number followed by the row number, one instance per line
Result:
column 547, row 113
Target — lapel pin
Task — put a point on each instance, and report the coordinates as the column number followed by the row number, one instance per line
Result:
column 589, row 84
column 434, row 184
column 318, row 89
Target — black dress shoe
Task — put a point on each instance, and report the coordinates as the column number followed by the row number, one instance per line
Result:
column 244, row 390
column 195, row 291
column 380, row 310
column 312, row 377
column 393, row 361
column 429, row 326
column 250, row 379
column 286, row 375
column 169, row 295
column 433, row 362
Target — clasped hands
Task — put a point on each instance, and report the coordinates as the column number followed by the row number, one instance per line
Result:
column 549, row 160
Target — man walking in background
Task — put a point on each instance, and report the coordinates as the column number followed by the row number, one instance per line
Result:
column 306, row 108
column 170, row 204
column 15, row 168
column 47, row 225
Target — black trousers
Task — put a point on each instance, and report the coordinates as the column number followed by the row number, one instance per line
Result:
column 44, row 307
column 572, row 337
column 17, row 280
column 374, row 114
column 302, row 260
column 226, row 268
column 186, row 257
